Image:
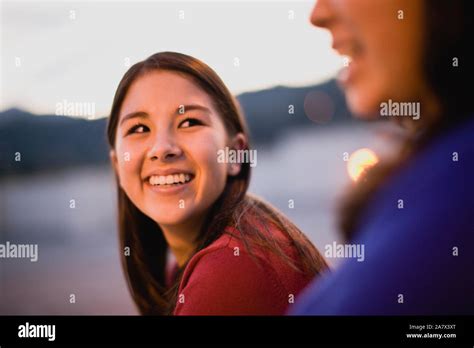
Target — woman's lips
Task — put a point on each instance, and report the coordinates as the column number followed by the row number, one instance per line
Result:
column 352, row 51
column 169, row 189
column 346, row 74
column 349, row 72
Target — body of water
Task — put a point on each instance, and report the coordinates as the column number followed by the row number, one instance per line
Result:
column 78, row 248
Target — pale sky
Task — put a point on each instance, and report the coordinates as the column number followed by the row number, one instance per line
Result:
column 77, row 51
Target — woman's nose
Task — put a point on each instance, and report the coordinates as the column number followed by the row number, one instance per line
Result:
column 322, row 14
column 164, row 147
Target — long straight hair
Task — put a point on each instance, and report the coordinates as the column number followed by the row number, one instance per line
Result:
column 447, row 39
column 145, row 266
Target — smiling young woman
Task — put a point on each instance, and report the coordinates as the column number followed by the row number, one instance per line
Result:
column 234, row 253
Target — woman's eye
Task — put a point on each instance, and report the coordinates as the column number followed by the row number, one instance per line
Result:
column 139, row 128
column 189, row 122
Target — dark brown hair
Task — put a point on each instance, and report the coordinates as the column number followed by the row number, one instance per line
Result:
column 145, row 267
column 447, row 35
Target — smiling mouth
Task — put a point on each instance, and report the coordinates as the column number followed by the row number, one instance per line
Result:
column 171, row 180
column 348, row 48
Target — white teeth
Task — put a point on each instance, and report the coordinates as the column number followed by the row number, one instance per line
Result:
column 169, row 179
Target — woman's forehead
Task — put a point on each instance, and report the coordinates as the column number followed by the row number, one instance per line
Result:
column 164, row 90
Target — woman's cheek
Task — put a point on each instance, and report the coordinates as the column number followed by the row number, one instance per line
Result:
column 129, row 164
column 204, row 150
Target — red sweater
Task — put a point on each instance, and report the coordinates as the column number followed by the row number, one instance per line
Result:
column 224, row 279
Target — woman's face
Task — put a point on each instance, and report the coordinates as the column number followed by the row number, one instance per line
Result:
column 166, row 147
column 384, row 40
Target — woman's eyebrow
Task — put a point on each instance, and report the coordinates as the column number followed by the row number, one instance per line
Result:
column 134, row 114
column 180, row 110
column 185, row 108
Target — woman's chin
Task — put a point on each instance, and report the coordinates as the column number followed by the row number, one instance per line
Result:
column 170, row 219
column 361, row 106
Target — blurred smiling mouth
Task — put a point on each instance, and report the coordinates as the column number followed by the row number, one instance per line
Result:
column 351, row 52
column 349, row 47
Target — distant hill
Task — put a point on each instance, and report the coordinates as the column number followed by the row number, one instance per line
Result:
column 53, row 142
column 267, row 114
column 49, row 142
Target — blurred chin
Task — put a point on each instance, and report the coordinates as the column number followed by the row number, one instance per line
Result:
column 362, row 103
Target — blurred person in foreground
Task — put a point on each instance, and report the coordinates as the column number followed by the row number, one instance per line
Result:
column 414, row 213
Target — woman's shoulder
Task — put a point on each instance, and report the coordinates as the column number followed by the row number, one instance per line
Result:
column 436, row 183
column 228, row 254
column 227, row 278
column 222, row 249
column 231, row 247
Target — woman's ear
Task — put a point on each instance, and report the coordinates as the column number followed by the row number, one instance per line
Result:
column 114, row 160
column 238, row 142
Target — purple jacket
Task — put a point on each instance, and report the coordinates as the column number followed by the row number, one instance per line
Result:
column 418, row 260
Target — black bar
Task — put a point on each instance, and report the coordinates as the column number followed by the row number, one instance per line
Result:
column 137, row 330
